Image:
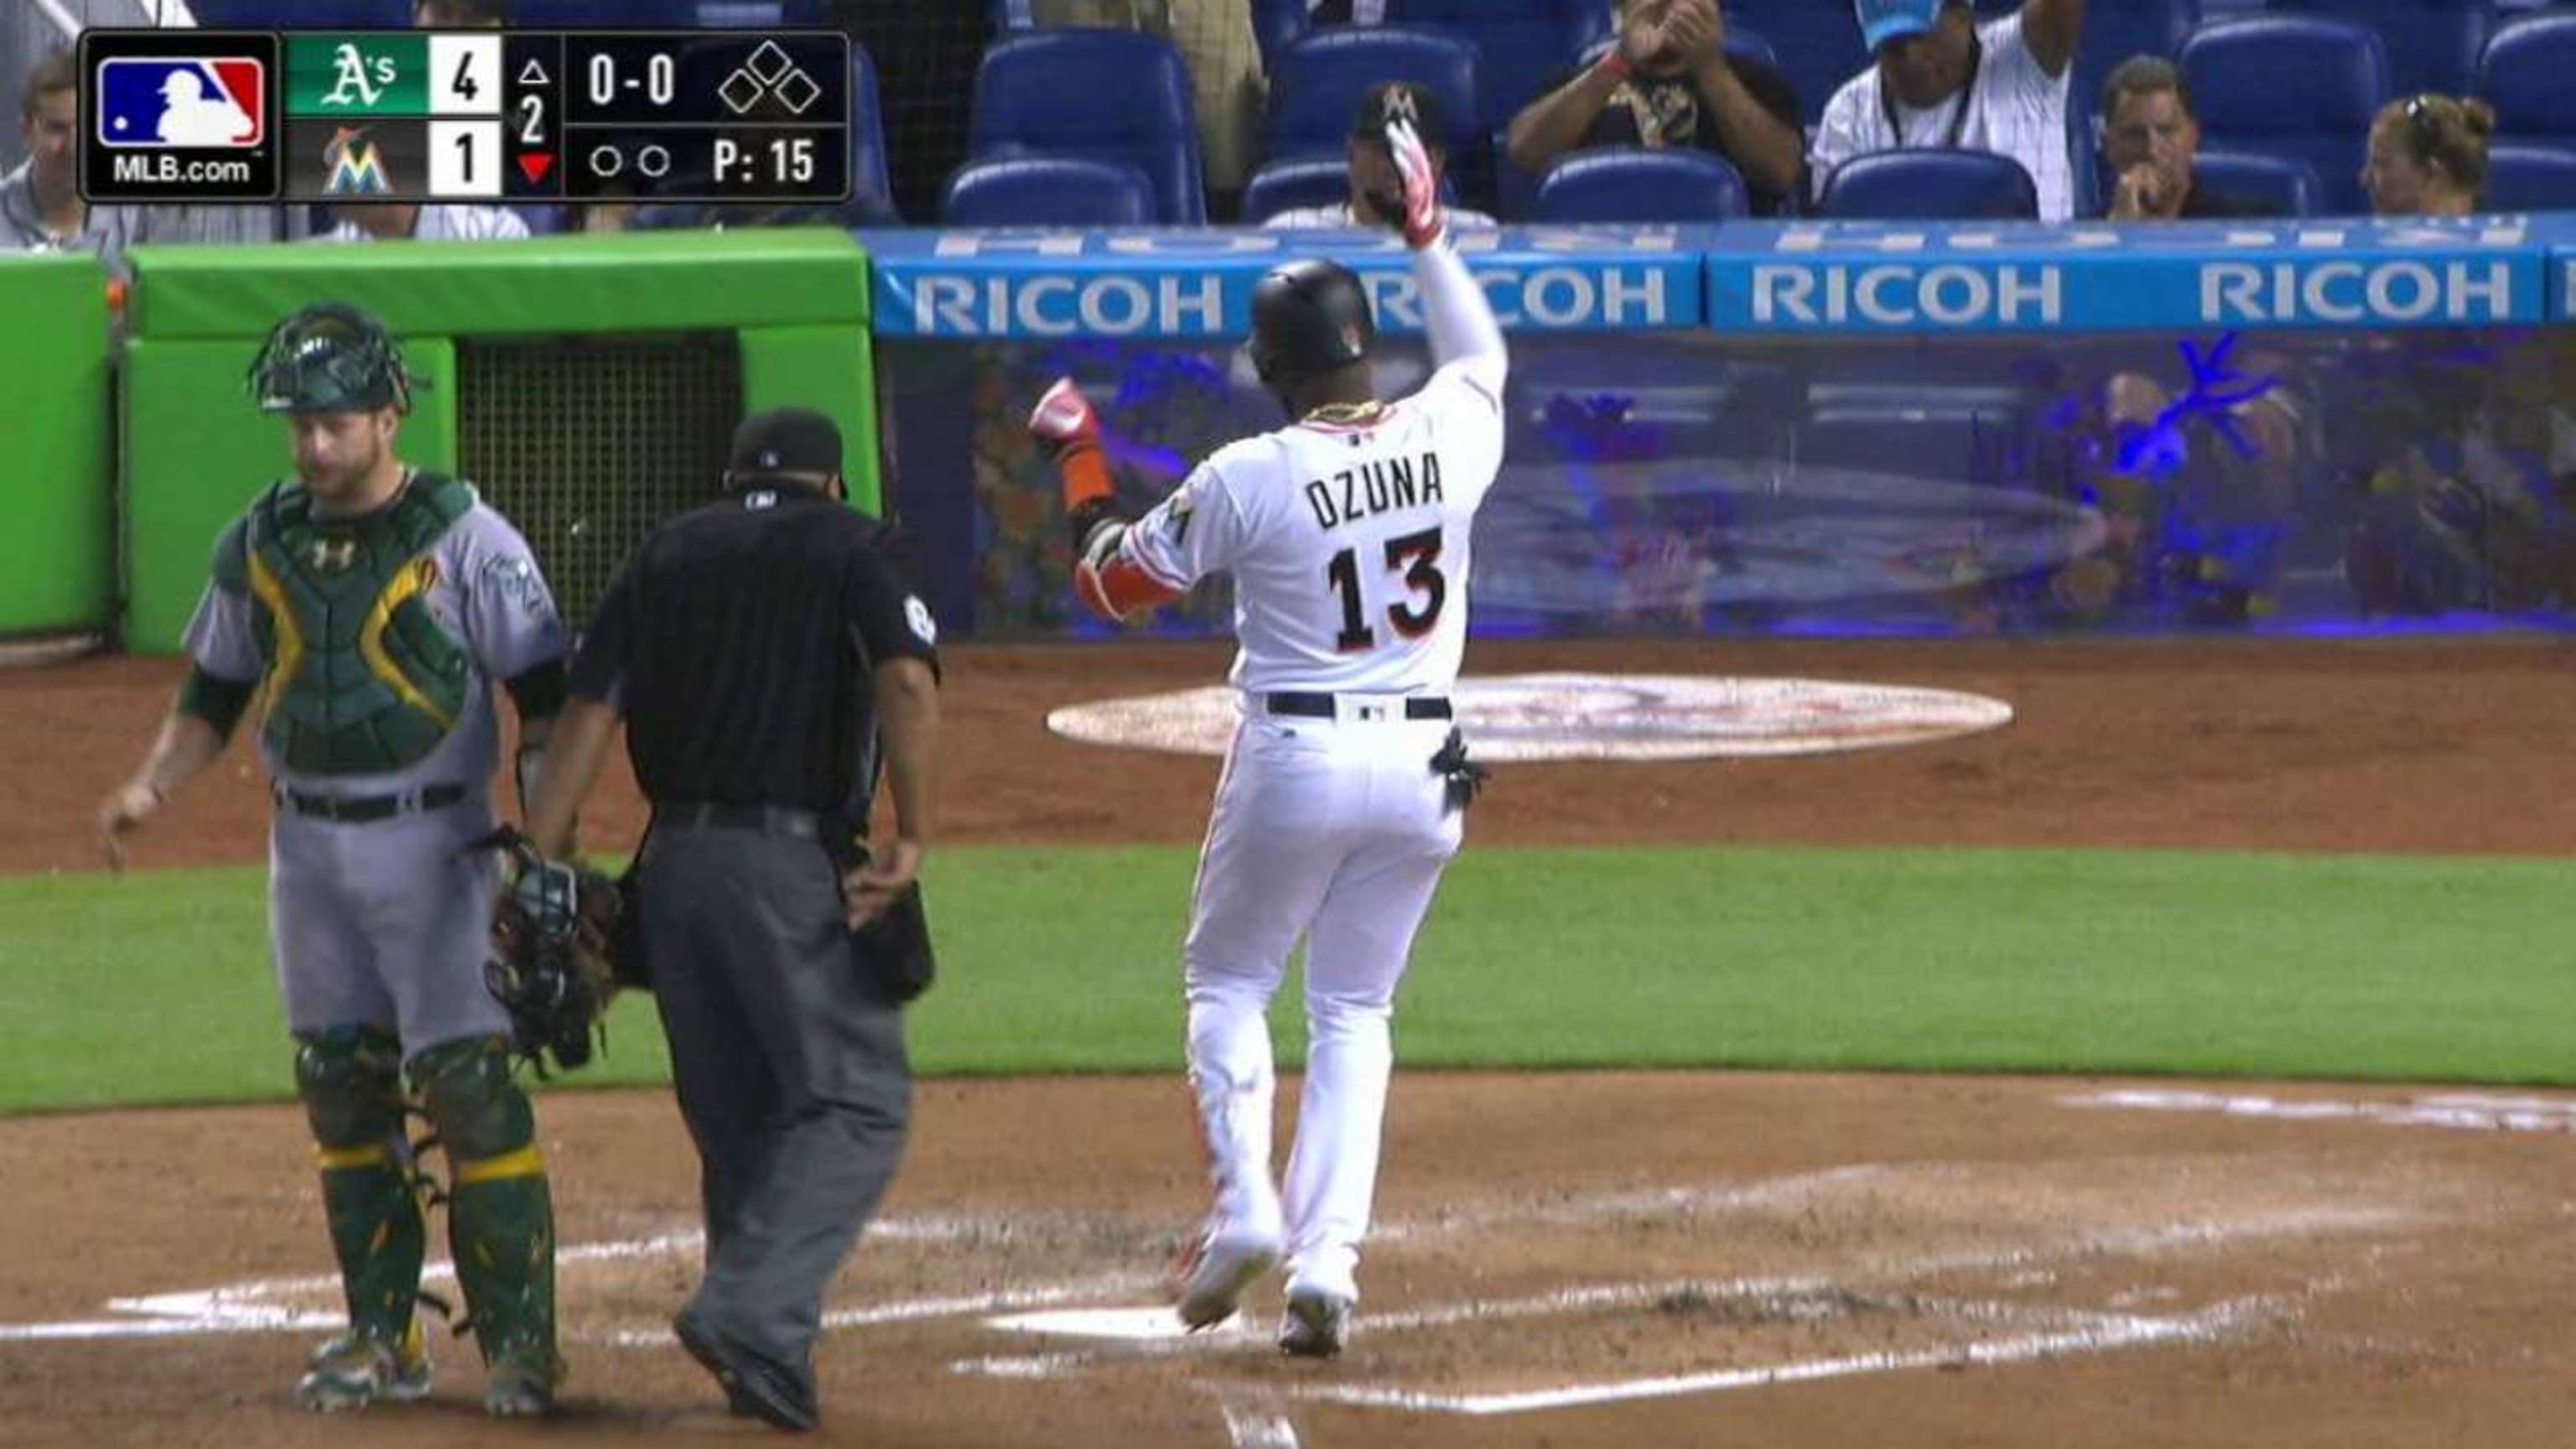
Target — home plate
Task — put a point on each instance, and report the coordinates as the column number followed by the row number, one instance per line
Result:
column 1132, row 1325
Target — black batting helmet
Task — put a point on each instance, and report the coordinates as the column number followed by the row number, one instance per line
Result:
column 330, row 357
column 1308, row 317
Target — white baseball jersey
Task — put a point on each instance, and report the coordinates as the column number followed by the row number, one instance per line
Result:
column 1348, row 541
column 2014, row 107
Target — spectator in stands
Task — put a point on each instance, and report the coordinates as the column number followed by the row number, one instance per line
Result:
column 1377, row 191
column 2467, row 493
column 2428, row 156
column 408, row 221
column 1943, row 80
column 2195, row 475
column 1227, row 88
column 1668, row 81
column 2150, row 138
column 460, row 14
column 40, row 203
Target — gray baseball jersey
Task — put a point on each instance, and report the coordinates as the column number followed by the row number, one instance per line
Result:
column 383, row 921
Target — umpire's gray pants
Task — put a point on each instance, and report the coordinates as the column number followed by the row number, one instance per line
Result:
column 790, row 1069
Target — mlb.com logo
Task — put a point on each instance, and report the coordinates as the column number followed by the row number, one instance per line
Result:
column 218, row 102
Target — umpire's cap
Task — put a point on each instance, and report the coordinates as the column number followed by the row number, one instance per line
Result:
column 1309, row 316
column 784, row 440
column 330, row 357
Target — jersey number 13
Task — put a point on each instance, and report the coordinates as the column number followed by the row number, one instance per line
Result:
column 1417, row 557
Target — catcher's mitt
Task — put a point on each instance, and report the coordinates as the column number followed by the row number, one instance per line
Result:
column 556, row 945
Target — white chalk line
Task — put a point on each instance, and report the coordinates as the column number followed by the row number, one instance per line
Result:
column 2455, row 1111
column 2114, row 1333
column 1258, row 1429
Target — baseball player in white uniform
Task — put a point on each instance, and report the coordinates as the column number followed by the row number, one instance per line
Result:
column 1347, row 534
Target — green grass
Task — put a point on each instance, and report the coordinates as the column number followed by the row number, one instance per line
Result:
column 157, row 987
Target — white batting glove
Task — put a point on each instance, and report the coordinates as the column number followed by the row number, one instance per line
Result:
column 1424, row 221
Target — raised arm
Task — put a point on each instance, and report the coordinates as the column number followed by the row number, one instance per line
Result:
column 2052, row 29
column 1464, row 334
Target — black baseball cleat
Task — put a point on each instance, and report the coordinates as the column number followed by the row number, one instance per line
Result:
column 755, row 1387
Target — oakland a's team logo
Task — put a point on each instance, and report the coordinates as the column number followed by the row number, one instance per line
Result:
column 355, row 82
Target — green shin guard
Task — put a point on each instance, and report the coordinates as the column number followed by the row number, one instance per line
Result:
column 500, row 1211
column 351, row 1085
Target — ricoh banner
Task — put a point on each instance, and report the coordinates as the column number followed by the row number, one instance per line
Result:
column 1198, row 284
column 2340, row 273
column 1768, row 277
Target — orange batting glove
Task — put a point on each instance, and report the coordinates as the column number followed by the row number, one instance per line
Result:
column 1066, row 427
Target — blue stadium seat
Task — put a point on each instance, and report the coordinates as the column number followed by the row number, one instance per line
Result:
column 2286, row 187
column 1320, row 79
column 1929, row 186
column 1048, row 191
column 2530, row 178
column 1286, row 185
column 302, row 14
column 1818, row 42
column 871, row 193
column 1628, row 183
column 1322, row 181
column 1104, row 95
column 604, row 14
column 2529, row 73
column 2432, row 45
column 2115, row 30
column 2292, row 86
column 1520, row 48
column 1277, row 25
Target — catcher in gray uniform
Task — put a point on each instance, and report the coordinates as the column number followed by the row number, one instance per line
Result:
column 366, row 606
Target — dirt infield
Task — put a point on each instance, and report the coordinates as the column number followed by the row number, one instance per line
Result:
column 1595, row 1260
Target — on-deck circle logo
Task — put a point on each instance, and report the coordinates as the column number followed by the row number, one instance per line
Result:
column 1521, row 717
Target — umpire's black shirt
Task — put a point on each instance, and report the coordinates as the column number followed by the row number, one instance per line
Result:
column 739, row 642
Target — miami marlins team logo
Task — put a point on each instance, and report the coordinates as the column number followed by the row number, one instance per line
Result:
column 353, row 83
column 356, row 167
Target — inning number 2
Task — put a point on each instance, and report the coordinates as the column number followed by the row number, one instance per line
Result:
column 1417, row 557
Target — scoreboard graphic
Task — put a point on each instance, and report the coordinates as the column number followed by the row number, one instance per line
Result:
column 471, row 116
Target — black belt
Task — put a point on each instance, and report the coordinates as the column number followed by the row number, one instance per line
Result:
column 366, row 809
column 760, row 819
column 1322, row 706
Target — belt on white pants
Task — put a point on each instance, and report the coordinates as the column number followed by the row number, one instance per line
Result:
column 1350, row 708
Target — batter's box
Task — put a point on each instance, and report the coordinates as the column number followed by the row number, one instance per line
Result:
column 1608, row 1342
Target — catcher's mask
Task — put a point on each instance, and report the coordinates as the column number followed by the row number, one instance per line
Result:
column 1309, row 317
column 330, row 357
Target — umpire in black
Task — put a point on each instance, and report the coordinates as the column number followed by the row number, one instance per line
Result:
column 769, row 663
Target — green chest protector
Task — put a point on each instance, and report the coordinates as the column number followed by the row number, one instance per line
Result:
column 362, row 677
